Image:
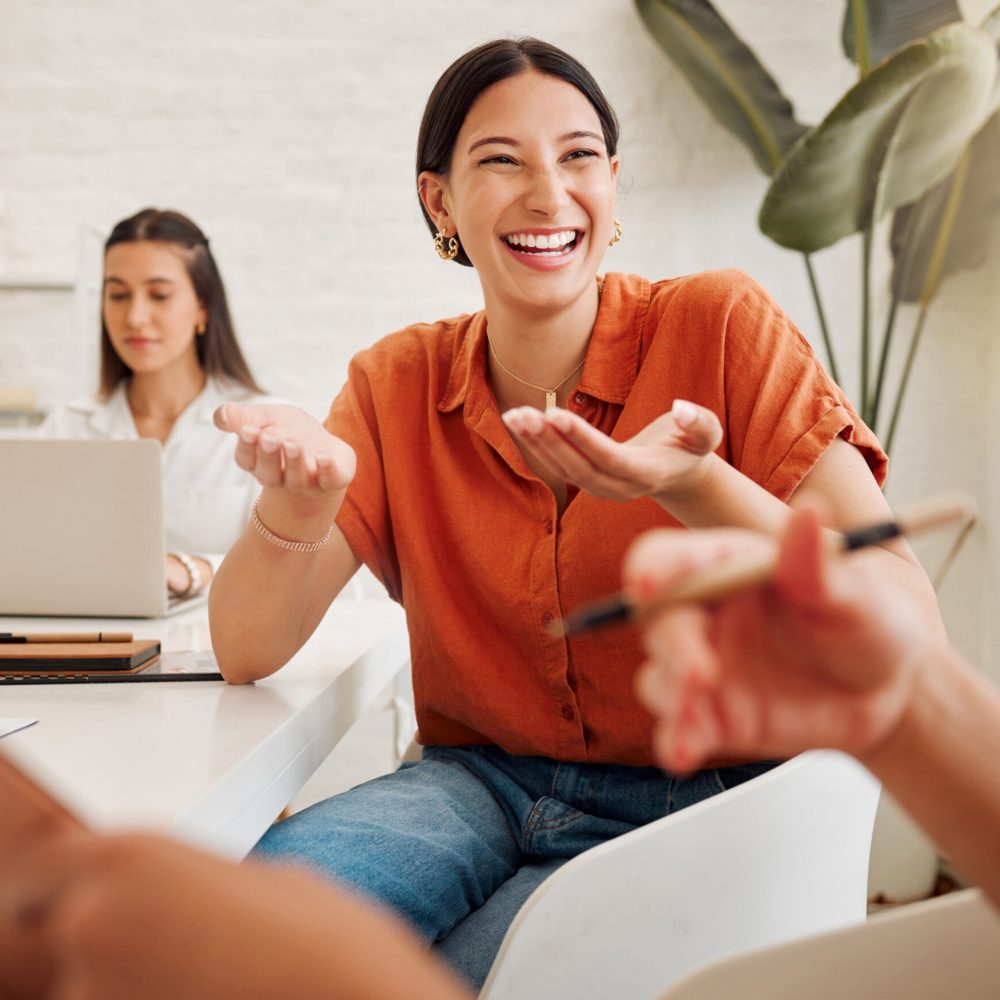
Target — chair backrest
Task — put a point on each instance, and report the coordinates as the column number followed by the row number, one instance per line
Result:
column 935, row 950
column 781, row 856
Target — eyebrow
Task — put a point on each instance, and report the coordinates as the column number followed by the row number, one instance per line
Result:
column 504, row 140
column 111, row 278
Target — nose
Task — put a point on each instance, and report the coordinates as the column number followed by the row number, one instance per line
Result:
column 138, row 312
column 546, row 193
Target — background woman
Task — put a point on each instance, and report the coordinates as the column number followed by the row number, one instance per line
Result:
column 487, row 528
column 169, row 358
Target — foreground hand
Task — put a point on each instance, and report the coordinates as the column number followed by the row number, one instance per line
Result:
column 143, row 916
column 285, row 448
column 825, row 656
column 669, row 454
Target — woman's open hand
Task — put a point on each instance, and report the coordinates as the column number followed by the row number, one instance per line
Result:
column 671, row 454
column 285, row 448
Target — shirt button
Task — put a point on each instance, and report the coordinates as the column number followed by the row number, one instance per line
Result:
column 548, row 527
column 579, row 397
column 567, row 713
column 547, row 619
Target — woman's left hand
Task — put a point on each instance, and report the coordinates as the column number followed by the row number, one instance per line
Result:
column 668, row 456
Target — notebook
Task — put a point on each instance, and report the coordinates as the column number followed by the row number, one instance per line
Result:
column 81, row 529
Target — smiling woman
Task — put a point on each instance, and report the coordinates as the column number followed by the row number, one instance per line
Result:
column 691, row 400
column 169, row 357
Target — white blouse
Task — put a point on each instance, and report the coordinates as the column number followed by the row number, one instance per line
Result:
column 206, row 496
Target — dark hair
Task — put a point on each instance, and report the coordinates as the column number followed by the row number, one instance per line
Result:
column 466, row 78
column 219, row 352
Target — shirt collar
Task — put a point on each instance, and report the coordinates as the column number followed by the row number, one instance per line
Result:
column 613, row 356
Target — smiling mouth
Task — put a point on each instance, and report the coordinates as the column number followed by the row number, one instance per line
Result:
column 541, row 245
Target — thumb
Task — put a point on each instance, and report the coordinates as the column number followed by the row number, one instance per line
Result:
column 803, row 572
column 699, row 427
column 232, row 416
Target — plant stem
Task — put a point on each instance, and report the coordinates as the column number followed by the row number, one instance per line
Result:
column 862, row 42
column 883, row 360
column 905, row 377
column 824, row 329
column 866, row 294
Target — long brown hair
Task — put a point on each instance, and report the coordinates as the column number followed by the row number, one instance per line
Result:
column 469, row 75
column 218, row 350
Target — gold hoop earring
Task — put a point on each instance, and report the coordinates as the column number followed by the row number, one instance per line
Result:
column 618, row 234
column 200, row 330
column 445, row 253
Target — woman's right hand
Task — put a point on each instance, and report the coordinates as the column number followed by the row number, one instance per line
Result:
column 285, row 448
column 303, row 468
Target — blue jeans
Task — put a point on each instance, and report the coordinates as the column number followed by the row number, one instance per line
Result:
column 437, row 838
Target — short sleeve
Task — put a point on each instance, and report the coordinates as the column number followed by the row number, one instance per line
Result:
column 364, row 515
column 782, row 409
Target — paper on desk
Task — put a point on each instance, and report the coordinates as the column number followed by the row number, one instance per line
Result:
column 8, row 726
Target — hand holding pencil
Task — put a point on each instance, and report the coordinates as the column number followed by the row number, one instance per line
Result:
column 822, row 651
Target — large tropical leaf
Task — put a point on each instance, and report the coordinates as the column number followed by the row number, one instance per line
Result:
column 915, row 228
column 894, row 23
column 894, row 135
column 726, row 74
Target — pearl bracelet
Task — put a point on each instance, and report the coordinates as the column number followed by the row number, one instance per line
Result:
column 284, row 543
column 193, row 572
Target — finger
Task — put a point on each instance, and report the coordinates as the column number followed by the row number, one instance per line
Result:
column 662, row 558
column 299, row 472
column 802, row 572
column 231, row 416
column 269, row 468
column 246, row 447
column 335, row 470
column 700, row 429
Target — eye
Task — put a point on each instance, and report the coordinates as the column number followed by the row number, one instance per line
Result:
column 582, row 154
column 159, row 296
column 117, row 296
column 498, row 159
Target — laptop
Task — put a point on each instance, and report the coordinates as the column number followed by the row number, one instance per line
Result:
column 81, row 529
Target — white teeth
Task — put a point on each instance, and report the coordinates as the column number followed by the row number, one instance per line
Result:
column 552, row 241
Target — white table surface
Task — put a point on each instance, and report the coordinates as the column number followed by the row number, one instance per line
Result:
column 207, row 761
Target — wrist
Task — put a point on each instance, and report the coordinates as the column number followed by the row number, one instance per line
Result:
column 693, row 483
column 920, row 716
column 293, row 523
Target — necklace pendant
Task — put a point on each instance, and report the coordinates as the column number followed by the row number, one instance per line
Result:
column 550, row 399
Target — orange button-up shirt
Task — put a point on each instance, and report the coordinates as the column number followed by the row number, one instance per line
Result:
column 445, row 511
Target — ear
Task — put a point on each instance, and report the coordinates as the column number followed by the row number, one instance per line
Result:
column 615, row 164
column 433, row 191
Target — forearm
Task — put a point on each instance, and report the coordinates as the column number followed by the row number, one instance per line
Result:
column 723, row 497
column 942, row 764
column 266, row 600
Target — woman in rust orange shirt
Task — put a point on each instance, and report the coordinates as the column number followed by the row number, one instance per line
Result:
column 492, row 469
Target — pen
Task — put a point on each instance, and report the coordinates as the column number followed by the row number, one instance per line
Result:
column 719, row 581
column 11, row 637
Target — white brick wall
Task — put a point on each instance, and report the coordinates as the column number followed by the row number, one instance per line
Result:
column 287, row 130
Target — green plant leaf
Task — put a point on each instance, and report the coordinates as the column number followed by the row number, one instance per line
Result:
column 893, row 23
column 915, row 227
column 726, row 74
column 892, row 136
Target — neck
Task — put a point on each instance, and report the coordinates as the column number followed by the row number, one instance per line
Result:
column 163, row 395
column 541, row 346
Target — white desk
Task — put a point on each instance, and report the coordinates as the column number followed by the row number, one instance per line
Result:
column 207, row 761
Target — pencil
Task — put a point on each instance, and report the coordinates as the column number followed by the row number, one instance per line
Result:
column 719, row 581
column 11, row 637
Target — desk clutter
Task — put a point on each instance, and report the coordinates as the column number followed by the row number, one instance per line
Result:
column 35, row 658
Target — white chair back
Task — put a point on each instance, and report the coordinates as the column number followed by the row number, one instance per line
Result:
column 781, row 856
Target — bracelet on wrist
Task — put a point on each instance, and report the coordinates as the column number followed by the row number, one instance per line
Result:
column 194, row 574
column 283, row 543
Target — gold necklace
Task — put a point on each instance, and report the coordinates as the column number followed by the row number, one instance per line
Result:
column 550, row 394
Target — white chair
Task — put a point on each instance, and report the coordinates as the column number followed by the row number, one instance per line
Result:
column 936, row 950
column 782, row 856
